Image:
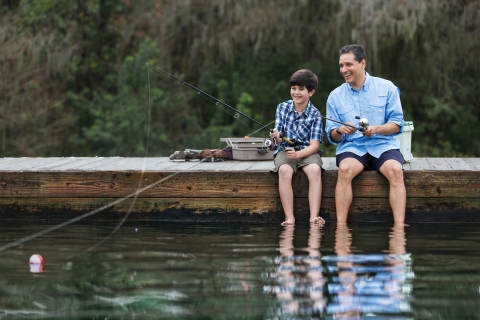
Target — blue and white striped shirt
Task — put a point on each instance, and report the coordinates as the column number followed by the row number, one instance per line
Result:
column 301, row 128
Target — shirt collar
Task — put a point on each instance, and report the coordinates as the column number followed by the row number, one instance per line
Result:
column 366, row 84
column 308, row 109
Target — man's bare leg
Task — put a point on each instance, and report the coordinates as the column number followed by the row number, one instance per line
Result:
column 314, row 175
column 348, row 169
column 393, row 171
column 285, row 174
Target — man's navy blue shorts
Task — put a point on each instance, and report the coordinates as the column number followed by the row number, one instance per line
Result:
column 370, row 162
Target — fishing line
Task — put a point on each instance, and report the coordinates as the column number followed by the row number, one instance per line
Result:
column 260, row 129
column 66, row 223
column 109, row 205
column 210, row 98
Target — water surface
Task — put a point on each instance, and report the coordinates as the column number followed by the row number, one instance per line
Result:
column 232, row 271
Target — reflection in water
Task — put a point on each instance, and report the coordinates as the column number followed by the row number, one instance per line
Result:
column 300, row 288
column 345, row 285
column 369, row 283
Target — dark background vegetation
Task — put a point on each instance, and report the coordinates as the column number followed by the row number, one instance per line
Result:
column 74, row 81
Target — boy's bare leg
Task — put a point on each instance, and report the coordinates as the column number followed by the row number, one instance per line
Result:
column 314, row 175
column 393, row 171
column 348, row 169
column 285, row 174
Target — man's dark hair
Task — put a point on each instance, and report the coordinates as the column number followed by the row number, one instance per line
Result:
column 357, row 50
column 304, row 78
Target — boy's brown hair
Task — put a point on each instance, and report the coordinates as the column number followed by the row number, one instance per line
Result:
column 304, row 78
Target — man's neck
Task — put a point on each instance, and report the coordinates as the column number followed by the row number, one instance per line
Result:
column 360, row 83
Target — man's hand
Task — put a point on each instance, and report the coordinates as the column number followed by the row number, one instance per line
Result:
column 370, row 131
column 346, row 129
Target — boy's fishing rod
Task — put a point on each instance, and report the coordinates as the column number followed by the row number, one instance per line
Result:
column 201, row 92
column 215, row 100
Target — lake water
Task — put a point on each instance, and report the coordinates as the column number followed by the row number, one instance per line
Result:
column 232, row 271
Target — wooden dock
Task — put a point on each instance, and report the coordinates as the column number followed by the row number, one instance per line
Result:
column 438, row 189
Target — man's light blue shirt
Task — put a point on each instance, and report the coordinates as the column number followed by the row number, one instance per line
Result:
column 301, row 128
column 379, row 101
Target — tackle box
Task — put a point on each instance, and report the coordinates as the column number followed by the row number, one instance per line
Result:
column 249, row 148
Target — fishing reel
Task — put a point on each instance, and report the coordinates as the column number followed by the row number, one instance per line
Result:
column 272, row 143
column 363, row 123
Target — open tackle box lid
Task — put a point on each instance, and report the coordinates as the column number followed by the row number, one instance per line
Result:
column 253, row 143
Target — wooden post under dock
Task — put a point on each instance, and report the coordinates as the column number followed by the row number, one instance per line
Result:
column 438, row 189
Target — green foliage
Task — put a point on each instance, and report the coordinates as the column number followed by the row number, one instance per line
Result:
column 87, row 62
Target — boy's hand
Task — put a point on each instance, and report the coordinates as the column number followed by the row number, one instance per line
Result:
column 291, row 153
column 274, row 134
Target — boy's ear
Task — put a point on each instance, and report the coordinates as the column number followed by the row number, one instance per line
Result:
column 311, row 93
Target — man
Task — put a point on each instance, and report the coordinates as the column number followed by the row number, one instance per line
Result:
column 378, row 100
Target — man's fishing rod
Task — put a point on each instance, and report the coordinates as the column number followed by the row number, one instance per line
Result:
column 216, row 101
column 363, row 123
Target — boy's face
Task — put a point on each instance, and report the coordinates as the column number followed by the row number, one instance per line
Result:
column 300, row 95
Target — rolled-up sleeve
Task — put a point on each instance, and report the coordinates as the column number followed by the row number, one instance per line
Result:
column 394, row 112
column 330, row 125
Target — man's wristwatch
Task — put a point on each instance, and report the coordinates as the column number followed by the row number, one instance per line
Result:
column 338, row 131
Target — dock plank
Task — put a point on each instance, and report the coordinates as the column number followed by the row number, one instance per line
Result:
column 438, row 164
column 202, row 209
column 474, row 162
column 23, row 164
column 246, row 188
column 459, row 164
column 420, row 164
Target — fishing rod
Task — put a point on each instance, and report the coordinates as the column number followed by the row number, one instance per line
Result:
column 363, row 123
column 201, row 92
column 217, row 101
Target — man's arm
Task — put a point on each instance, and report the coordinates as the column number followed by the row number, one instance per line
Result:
column 334, row 136
column 386, row 129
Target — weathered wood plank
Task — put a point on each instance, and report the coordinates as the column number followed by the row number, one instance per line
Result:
column 474, row 162
column 184, row 208
column 329, row 164
column 419, row 164
column 163, row 164
column 459, row 164
column 23, row 164
column 438, row 164
column 463, row 184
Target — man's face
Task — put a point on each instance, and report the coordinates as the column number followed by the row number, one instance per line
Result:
column 352, row 70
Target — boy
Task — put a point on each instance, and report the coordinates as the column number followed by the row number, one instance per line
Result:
column 298, row 120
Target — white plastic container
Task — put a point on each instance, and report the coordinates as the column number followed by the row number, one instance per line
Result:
column 406, row 141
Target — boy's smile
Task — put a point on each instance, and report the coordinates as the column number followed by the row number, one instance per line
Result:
column 300, row 96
